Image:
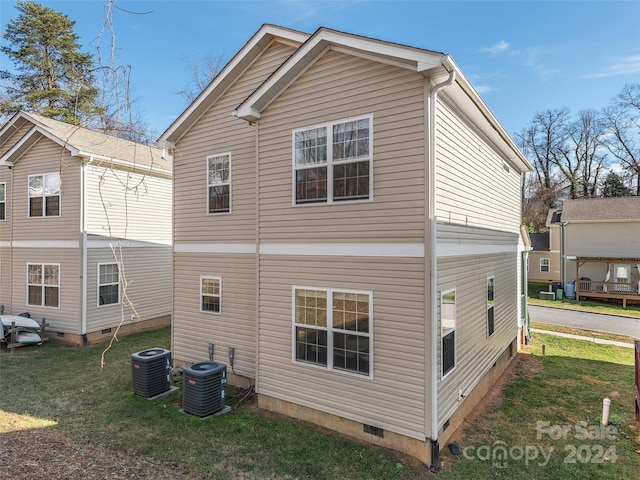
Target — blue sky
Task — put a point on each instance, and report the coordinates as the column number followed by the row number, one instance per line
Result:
column 521, row 56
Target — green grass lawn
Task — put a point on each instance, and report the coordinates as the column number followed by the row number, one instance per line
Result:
column 65, row 388
column 534, row 289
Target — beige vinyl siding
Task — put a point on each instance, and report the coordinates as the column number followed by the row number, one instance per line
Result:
column 338, row 87
column 235, row 326
column 395, row 398
column 451, row 233
column 535, row 275
column 5, row 225
column 475, row 353
column 610, row 239
column 473, row 189
column 5, row 278
column 148, row 285
column 219, row 132
column 65, row 319
column 128, row 205
column 47, row 157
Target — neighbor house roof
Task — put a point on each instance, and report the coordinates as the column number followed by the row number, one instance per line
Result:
column 82, row 142
column 611, row 209
column 539, row 241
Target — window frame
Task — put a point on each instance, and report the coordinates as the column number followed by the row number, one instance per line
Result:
column 219, row 184
column 331, row 162
column 44, row 196
column 3, row 201
column 452, row 368
column 218, row 295
column 548, row 265
column 43, row 285
column 491, row 305
column 331, row 330
column 101, row 305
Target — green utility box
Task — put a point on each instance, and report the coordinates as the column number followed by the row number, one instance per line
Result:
column 547, row 296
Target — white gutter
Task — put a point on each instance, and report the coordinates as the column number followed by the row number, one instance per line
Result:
column 433, row 257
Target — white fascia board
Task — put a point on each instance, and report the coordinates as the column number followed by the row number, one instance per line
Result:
column 229, row 68
column 135, row 167
column 301, row 59
column 28, row 139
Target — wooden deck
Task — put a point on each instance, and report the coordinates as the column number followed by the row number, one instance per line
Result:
column 626, row 292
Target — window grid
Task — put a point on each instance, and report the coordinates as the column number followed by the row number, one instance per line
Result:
column 211, row 294
column 544, row 264
column 337, row 338
column 108, row 284
column 332, row 162
column 44, row 195
column 43, row 285
column 219, row 183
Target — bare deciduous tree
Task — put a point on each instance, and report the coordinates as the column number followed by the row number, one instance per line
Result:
column 203, row 70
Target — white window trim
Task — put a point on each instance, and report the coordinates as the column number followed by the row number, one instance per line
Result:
column 4, row 184
column 209, row 157
column 491, row 307
column 44, row 208
column 330, row 163
column 548, row 265
column 455, row 336
column 200, row 295
column 329, row 329
column 104, row 284
column 42, row 264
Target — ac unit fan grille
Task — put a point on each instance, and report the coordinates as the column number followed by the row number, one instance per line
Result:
column 203, row 388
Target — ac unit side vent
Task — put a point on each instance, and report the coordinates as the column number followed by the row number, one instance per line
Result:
column 150, row 372
column 203, row 388
column 377, row 431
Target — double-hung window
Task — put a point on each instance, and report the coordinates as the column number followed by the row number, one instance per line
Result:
column 3, row 201
column 333, row 329
column 219, row 183
column 108, row 284
column 211, row 294
column 544, row 264
column 490, row 306
column 333, row 162
column 43, row 285
column 448, row 330
column 44, row 195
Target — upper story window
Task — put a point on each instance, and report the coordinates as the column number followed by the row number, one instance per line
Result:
column 43, row 285
column 219, row 183
column 3, row 201
column 44, row 195
column 108, row 284
column 333, row 162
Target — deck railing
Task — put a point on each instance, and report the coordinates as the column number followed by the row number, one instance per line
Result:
column 589, row 286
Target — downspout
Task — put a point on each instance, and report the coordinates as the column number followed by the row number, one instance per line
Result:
column 433, row 258
column 11, row 278
column 84, row 252
column 563, row 267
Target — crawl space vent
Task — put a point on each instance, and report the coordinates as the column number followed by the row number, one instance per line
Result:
column 203, row 388
column 150, row 372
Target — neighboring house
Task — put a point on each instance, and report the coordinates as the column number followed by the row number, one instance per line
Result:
column 85, row 229
column 347, row 220
column 544, row 257
column 602, row 247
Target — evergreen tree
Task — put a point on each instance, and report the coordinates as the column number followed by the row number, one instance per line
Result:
column 52, row 77
column 613, row 186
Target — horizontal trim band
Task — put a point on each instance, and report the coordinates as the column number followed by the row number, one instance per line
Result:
column 467, row 249
column 41, row 244
column 246, row 248
column 125, row 243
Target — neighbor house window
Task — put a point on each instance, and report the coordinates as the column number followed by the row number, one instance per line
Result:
column 3, row 201
column 219, row 183
column 448, row 329
column 211, row 294
column 490, row 306
column 43, row 285
column 333, row 162
column 333, row 329
column 44, row 195
column 108, row 284
column 544, row 264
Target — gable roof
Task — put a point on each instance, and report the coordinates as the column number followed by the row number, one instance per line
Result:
column 430, row 64
column 81, row 142
column 610, row 209
column 265, row 36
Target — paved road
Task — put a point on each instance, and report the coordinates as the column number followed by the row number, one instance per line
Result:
column 587, row 321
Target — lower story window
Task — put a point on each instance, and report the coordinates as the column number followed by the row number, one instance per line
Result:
column 544, row 264
column 211, row 294
column 108, row 284
column 43, row 285
column 333, row 329
column 448, row 330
